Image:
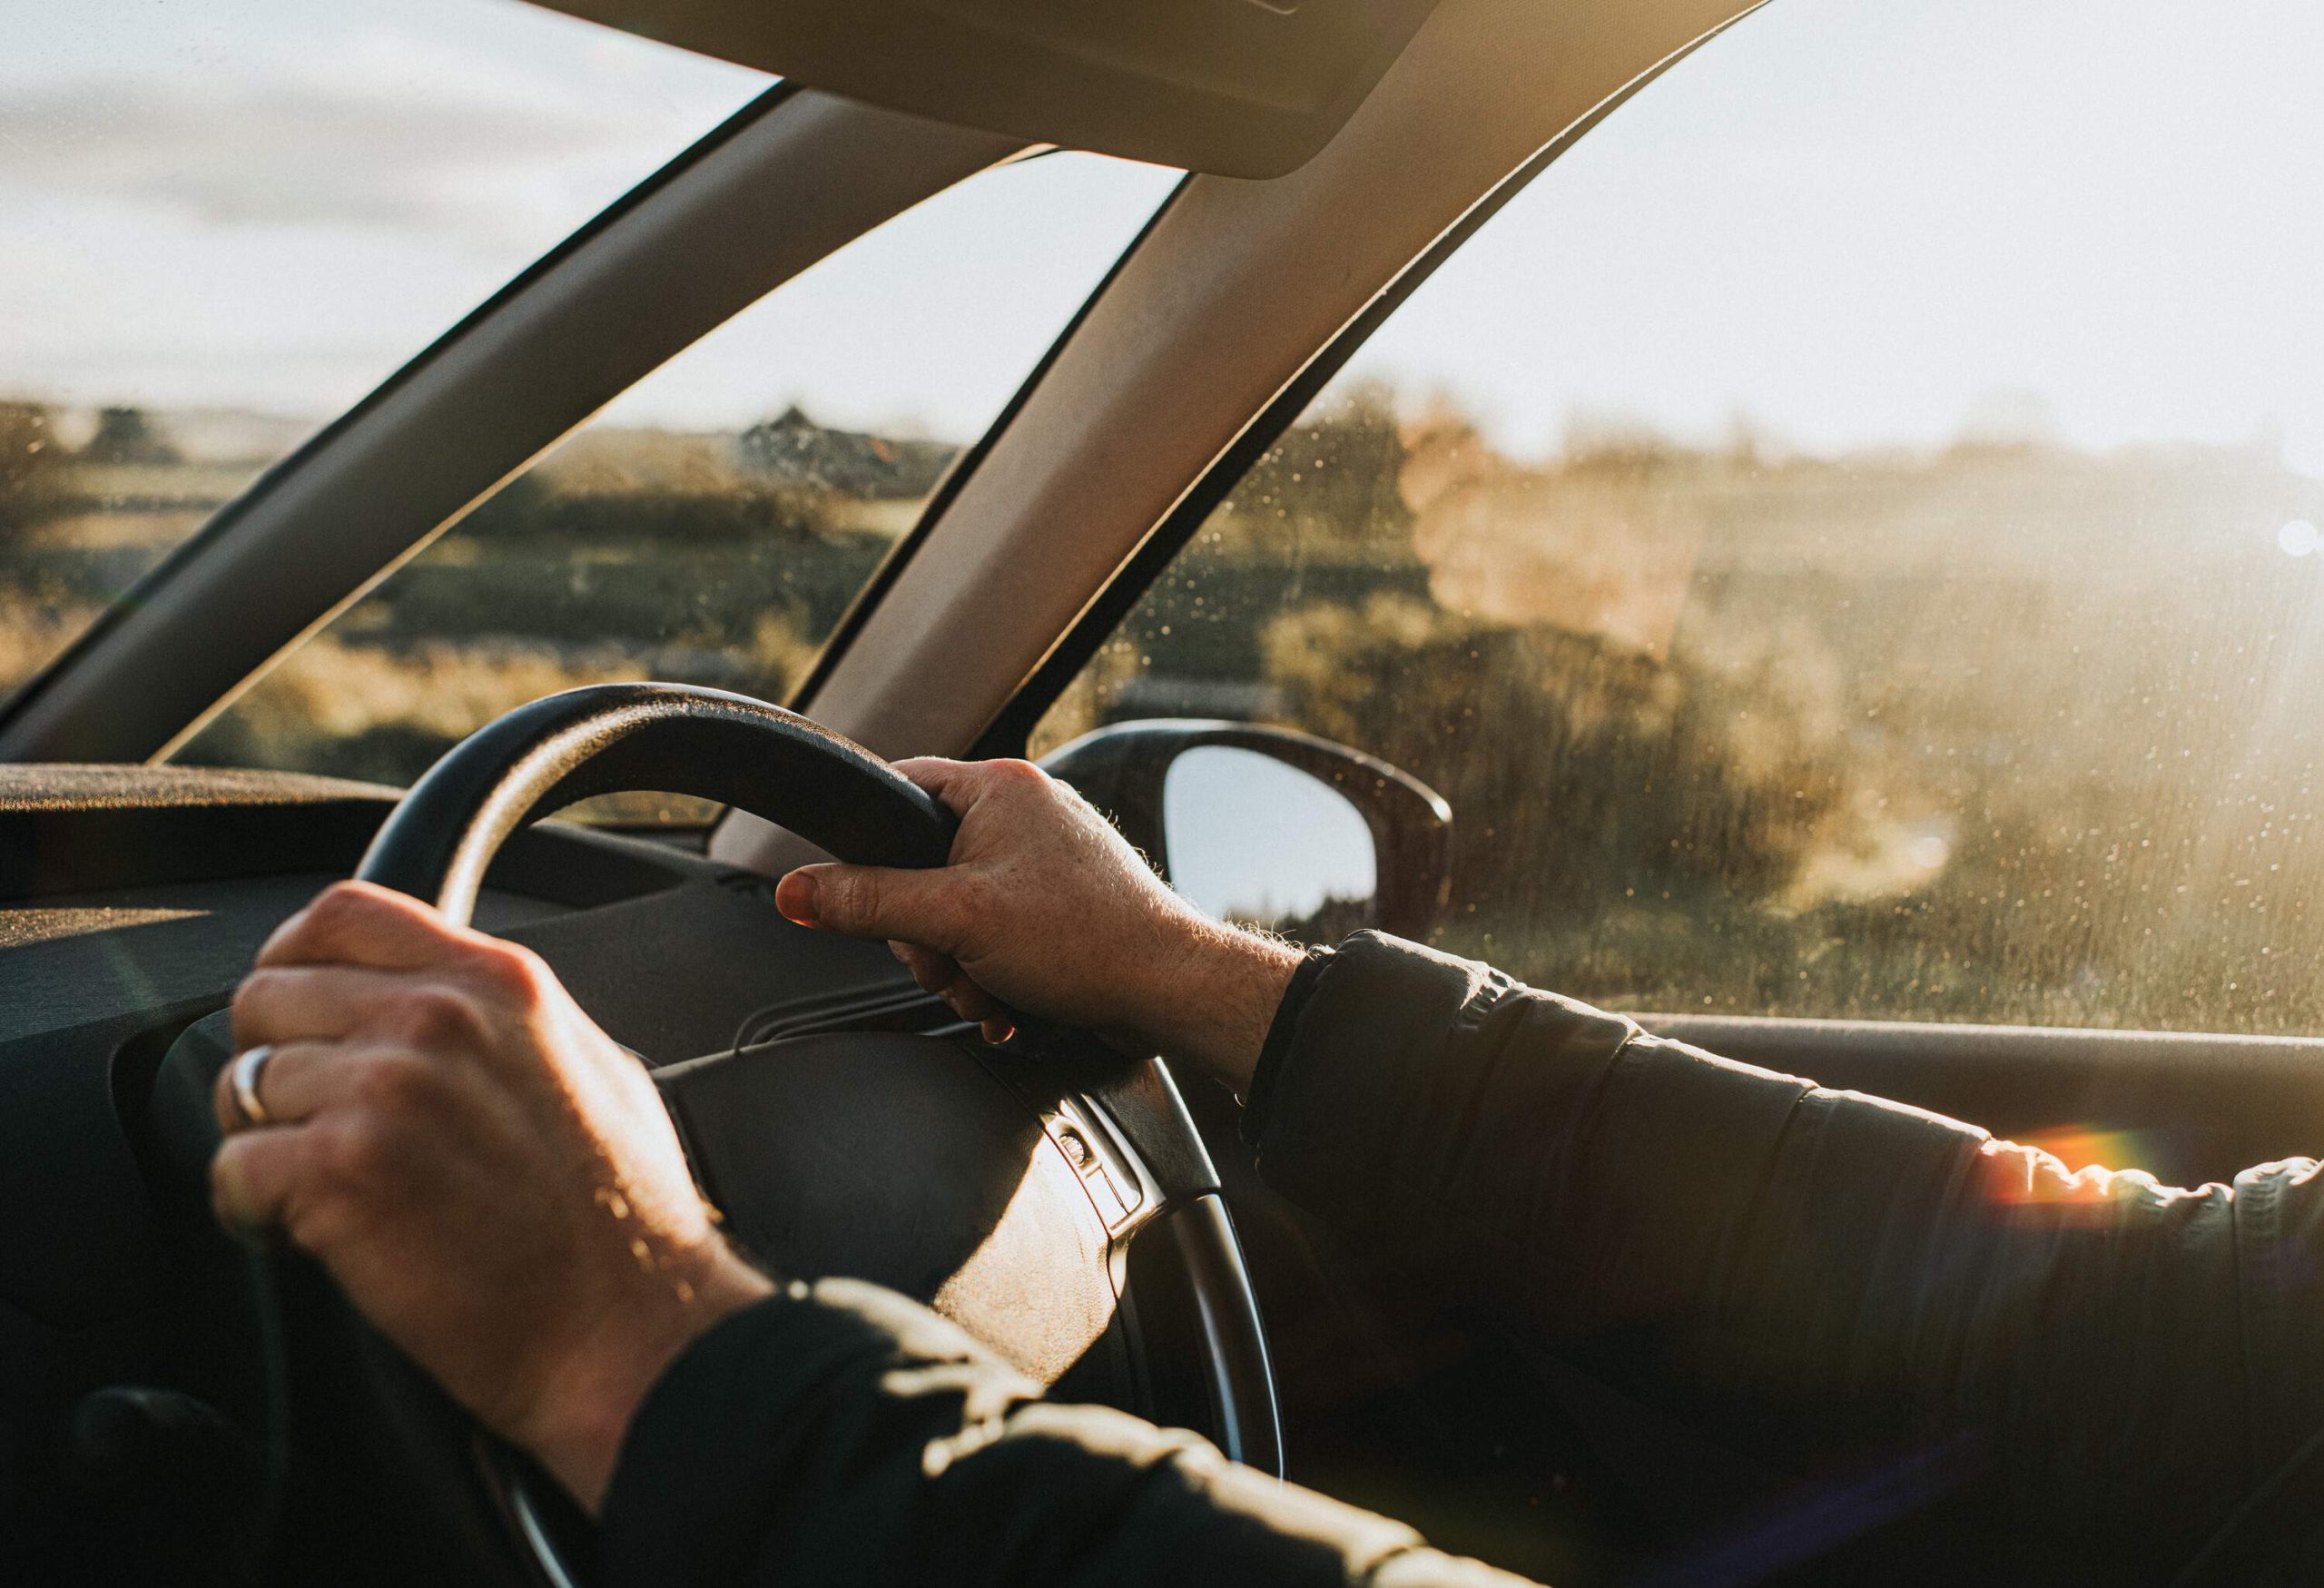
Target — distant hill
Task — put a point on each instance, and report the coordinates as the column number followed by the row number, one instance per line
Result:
column 793, row 450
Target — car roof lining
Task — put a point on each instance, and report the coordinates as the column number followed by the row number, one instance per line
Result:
column 1249, row 88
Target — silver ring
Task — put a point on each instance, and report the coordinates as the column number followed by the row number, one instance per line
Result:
column 243, row 1081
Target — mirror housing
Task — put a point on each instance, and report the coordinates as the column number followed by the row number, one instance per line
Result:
column 1123, row 771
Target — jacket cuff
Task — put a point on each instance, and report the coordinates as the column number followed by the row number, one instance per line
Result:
column 1281, row 1032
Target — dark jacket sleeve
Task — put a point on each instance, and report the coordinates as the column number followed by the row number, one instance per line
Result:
column 1811, row 1274
column 839, row 1433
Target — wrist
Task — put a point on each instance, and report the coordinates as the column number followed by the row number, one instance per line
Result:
column 585, row 1412
column 1216, row 1007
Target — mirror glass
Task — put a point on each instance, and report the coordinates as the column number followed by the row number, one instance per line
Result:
column 1253, row 840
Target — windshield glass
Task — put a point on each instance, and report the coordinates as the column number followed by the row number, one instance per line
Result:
column 1844, row 539
column 225, row 224
column 716, row 522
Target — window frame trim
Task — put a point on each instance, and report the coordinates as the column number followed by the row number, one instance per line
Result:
column 962, row 469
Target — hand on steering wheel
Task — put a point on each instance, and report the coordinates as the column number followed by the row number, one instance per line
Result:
column 489, row 1177
column 496, row 1186
column 1045, row 910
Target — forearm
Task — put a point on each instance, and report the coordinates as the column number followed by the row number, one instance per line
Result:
column 1215, row 1010
column 846, row 1436
column 1806, row 1274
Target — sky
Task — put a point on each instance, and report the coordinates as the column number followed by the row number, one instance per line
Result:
column 1863, row 221
column 1857, row 223
column 273, row 203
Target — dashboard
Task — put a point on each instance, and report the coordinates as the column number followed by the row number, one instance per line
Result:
column 132, row 900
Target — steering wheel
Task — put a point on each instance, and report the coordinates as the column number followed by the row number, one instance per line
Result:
column 1056, row 1202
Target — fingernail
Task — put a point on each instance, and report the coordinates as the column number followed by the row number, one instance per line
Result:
column 795, row 897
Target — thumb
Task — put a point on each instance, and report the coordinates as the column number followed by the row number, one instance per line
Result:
column 872, row 900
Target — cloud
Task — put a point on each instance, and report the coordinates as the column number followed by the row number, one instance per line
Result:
column 388, row 134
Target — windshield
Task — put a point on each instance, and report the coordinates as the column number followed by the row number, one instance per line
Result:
column 1844, row 540
column 224, row 224
column 715, row 523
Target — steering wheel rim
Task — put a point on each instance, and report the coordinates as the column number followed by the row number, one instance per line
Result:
column 610, row 738
column 606, row 738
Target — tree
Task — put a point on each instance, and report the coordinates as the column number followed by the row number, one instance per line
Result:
column 126, row 435
column 29, row 457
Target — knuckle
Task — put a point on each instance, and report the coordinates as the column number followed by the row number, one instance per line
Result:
column 228, row 1202
column 1017, row 774
column 338, row 906
column 433, row 1015
column 251, row 997
column 352, row 1154
column 395, row 1083
column 511, row 970
column 855, row 897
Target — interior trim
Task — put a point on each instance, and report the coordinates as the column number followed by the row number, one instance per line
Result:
column 1250, row 89
column 962, row 469
column 790, row 181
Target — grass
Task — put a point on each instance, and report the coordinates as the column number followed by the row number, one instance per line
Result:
column 2009, row 733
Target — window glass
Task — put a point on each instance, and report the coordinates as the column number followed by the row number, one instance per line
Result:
column 1846, row 539
column 715, row 523
column 225, row 222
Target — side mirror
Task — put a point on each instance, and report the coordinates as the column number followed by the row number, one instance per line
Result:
column 1275, row 828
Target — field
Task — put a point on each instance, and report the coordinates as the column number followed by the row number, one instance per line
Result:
column 715, row 559
column 2002, row 730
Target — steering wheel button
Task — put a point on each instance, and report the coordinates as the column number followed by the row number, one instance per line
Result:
column 1110, row 1206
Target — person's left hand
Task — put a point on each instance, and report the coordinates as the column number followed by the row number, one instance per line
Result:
column 491, row 1177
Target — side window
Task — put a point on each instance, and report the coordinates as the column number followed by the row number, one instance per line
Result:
column 715, row 523
column 225, row 222
column 1838, row 557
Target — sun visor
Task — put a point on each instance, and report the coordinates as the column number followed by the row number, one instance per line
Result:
column 1237, row 87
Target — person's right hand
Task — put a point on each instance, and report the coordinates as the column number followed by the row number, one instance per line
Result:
column 1045, row 910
